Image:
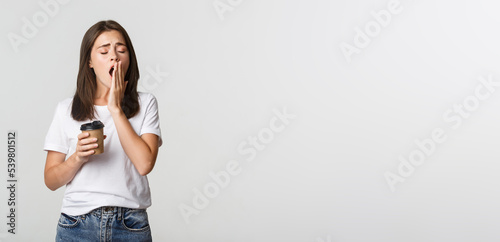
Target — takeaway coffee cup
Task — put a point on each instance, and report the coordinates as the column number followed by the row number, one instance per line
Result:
column 95, row 129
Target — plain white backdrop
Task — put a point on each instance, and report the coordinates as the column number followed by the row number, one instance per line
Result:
column 220, row 70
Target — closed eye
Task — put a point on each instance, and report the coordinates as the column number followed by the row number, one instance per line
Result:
column 103, row 53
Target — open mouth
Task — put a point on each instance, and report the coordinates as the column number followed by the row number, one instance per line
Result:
column 111, row 71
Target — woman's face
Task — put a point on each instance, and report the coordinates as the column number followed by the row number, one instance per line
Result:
column 108, row 49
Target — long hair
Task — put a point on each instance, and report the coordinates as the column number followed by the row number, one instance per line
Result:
column 86, row 85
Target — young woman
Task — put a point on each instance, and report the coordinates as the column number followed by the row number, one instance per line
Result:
column 106, row 194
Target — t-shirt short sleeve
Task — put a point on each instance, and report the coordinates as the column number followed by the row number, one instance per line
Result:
column 151, row 120
column 56, row 139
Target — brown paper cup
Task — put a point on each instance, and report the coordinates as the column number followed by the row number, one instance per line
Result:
column 99, row 134
column 95, row 129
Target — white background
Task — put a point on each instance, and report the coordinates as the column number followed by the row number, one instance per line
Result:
column 322, row 177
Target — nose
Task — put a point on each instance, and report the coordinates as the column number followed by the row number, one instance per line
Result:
column 113, row 56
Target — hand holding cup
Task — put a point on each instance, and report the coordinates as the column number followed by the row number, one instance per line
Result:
column 90, row 141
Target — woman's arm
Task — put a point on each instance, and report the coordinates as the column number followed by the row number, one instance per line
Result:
column 141, row 150
column 59, row 172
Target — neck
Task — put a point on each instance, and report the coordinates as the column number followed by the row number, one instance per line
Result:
column 101, row 95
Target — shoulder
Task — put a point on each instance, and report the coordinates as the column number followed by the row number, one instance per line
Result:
column 145, row 99
column 64, row 106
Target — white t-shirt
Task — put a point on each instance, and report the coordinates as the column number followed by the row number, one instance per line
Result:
column 110, row 178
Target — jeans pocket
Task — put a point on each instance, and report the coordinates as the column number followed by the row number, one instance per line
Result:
column 135, row 220
column 68, row 221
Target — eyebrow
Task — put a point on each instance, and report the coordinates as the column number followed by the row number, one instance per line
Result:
column 108, row 44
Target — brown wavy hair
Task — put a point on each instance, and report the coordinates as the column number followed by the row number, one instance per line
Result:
column 86, row 84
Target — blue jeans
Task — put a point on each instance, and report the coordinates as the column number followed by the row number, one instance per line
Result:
column 105, row 224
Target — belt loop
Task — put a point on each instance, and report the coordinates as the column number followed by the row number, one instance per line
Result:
column 119, row 213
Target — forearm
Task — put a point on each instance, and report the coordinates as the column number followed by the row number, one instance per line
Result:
column 59, row 175
column 134, row 146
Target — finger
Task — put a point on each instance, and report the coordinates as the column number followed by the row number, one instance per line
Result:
column 105, row 136
column 83, row 135
column 84, row 148
column 87, row 141
column 117, row 69
column 122, row 72
column 117, row 78
column 87, row 146
column 120, row 76
column 86, row 153
column 113, row 74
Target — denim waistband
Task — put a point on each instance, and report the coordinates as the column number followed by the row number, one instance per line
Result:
column 108, row 210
